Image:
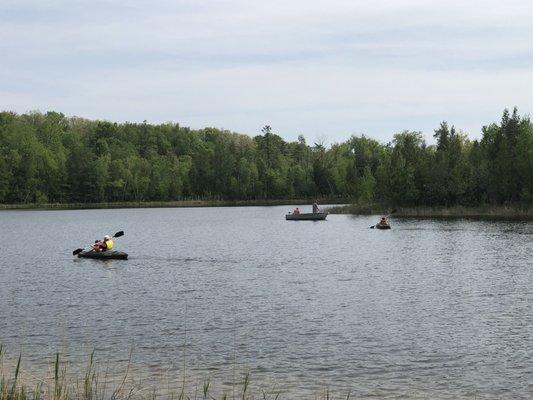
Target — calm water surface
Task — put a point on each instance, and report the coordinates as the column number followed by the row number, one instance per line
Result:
column 429, row 309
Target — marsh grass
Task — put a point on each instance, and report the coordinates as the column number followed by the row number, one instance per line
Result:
column 60, row 383
column 481, row 212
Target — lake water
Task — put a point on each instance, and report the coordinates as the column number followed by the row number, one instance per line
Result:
column 430, row 309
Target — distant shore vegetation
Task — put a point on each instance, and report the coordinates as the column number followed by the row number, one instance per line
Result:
column 48, row 158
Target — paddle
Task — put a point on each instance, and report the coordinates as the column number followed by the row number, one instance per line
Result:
column 116, row 235
column 386, row 216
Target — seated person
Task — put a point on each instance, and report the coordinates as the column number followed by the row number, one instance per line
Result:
column 103, row 245
column 296, row 211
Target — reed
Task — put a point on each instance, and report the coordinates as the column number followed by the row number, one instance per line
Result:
column 481, row 212
column 59, row 383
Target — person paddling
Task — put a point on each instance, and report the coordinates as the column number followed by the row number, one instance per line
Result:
column 103, row 245
column 100, row 246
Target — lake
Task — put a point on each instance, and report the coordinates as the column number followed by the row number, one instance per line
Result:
column 430, row 309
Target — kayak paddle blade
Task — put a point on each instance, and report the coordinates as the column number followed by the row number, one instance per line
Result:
column 77, row 251
column 119, row 234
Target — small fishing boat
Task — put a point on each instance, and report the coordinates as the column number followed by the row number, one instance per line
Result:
column 320, row 216
column 104, row 255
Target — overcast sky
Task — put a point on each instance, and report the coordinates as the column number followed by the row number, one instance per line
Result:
column 325, row 69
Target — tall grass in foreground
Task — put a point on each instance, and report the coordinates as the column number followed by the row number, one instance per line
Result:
column 60, row 384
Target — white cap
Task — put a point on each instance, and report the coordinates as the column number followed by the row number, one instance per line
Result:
column 107, row 237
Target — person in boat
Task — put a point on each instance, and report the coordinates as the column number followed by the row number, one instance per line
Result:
column 383, row 221
column 296, row 211
column 103, row 245
column 316, row 210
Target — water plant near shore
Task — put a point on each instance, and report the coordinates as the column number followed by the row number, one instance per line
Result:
column 91, row 384
column 481, row 212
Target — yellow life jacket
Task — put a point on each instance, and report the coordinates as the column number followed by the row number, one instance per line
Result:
column 109, row 244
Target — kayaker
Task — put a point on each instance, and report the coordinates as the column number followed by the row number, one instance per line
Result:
column 103, row 245
column 383, row 221
column 316, row 210
column 296, row 211
column 108, row 242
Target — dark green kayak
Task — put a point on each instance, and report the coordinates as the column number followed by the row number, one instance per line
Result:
column 104, row 255
column 382, row 226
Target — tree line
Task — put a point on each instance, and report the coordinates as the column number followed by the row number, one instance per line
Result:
column 51, row 158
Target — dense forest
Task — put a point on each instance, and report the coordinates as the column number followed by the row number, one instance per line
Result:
column 50, row 158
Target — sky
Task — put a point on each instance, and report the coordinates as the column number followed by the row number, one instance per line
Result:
column 324, row 69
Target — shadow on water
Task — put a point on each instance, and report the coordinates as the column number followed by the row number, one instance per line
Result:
column 106, row 264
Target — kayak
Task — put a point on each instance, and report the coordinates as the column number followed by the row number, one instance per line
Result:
column 307, row 217
column 104, row 255
column 382, row 226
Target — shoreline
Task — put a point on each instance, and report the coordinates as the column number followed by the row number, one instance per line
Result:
column 456, row 212
column 169, row 204
column 340, row 206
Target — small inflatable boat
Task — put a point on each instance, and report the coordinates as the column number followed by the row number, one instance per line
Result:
column 382, row 226
column 104, row 255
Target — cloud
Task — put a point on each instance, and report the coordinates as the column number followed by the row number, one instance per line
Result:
column 316, row 68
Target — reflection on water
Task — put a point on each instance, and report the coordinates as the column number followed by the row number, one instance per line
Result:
column 438, row 309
